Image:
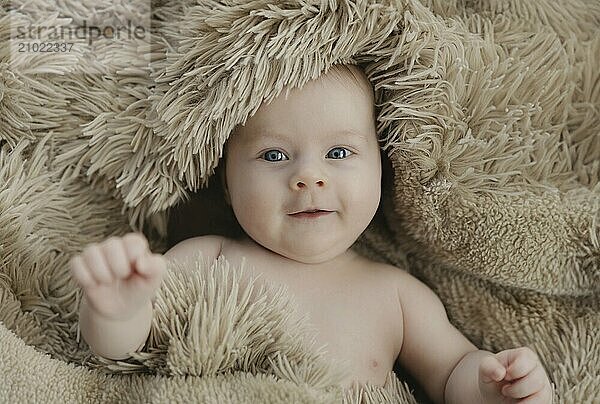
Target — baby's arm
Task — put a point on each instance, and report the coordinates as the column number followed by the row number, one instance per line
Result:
column 450, row 367
column 120, row 277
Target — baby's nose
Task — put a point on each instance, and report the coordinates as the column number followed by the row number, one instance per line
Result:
column 307, row 181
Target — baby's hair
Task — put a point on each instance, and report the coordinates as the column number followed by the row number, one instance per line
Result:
column 342, row 72
column 353, row 76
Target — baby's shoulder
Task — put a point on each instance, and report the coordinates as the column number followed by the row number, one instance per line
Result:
column 416, row 298
column 209, row 246
column 409, row 288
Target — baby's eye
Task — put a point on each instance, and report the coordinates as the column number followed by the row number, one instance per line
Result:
column 339, row 153
column 274, row 155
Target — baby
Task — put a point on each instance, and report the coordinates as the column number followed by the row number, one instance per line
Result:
column 303, row 177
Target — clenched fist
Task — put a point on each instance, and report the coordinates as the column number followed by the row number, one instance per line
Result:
column 514, row 375
column 119, row 276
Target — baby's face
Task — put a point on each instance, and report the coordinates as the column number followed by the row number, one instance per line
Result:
column 316, row 150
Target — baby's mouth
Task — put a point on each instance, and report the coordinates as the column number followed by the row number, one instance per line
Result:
column 311, row 213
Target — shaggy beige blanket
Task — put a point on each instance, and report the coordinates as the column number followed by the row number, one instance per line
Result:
column 488, row 110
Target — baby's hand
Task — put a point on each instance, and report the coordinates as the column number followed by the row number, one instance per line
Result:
column 514, row 375
column 119, row 275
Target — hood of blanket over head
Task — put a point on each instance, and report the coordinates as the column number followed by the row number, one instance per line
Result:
column 482, row 181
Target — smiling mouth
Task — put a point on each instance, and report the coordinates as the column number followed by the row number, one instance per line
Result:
column 311, row 214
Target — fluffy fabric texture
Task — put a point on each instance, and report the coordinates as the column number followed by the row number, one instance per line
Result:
column 488, row 111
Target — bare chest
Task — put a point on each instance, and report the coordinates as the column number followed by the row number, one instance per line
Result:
column 354, row 314
column 357, row 326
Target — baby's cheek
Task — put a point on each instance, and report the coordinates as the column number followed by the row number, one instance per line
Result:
column 254, row 205
column 366, row 190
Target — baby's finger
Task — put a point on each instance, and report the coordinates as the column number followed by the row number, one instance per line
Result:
column 491, row 373
column 521, row 362
column 151, row 265
column 491, row 370
column 145, row 286
column 98, row 268
column 81, row 273
column 541, row 397
column 135, row 245
column 526, row 386
column 116, row 257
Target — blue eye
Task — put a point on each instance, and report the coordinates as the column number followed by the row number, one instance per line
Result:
column 273, row 155
column 339, row 153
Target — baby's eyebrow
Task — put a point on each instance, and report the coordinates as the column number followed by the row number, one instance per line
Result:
column 354, row 133
column 262, row 135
